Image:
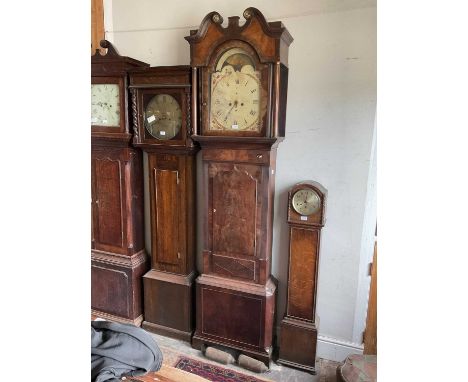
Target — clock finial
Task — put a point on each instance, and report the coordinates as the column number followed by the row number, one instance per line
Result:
column 217, row 18
column 111, row 51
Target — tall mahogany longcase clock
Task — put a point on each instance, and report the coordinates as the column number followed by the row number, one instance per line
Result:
column 239, row 77
column 118, row 258
column 306, row 217
column 161, row 100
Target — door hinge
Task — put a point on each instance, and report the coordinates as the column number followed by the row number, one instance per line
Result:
column 363, row 336
column 177, row 175
column 370, row 269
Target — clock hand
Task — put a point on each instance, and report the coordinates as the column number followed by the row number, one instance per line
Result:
column 227, row 114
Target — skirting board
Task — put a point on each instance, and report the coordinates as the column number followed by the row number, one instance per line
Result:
column 335, row 349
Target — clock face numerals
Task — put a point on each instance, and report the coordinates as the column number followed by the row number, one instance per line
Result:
column 105, row 105
column 306, row 202
column 163, row 117
column 235, row 93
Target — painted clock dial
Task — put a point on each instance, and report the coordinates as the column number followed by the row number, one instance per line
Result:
column 163, row 117
column 105, row 105
column 235, row 93
column 306, row 202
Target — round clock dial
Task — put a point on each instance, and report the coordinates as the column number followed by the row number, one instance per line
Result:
column 235, row 93
column 105, row 105
column 306, row 201
column 163, row 117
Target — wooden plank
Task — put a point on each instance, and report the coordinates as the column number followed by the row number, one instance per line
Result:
column 97, row 24
column 370, row 337
column 169, row 374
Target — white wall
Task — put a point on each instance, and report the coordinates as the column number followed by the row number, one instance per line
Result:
column 329, row 135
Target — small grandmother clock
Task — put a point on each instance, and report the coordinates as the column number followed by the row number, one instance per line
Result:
column 239, row 77
column 118, row 257
column 306, row 217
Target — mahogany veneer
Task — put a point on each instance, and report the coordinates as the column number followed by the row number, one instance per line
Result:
column 168, row 286
column 236, row 292
column 299, row 327
column 118, row 258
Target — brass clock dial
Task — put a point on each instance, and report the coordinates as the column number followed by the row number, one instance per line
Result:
column 235, row 93
column 105, row 105
column 306, row 202
column 163, row 117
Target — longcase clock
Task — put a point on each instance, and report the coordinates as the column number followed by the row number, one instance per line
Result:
column 161, row 99
column 306, row 217
column 118, row 258
column 240, row 75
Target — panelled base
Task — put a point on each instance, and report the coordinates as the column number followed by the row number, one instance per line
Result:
column 298, row 344
column 236, row 315
column 116, row 286
column 168, row 302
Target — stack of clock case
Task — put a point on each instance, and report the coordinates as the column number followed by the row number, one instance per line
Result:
column 118, row 258
column 161, row 103
column 240, row 78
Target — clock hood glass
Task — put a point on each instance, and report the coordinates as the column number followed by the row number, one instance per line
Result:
column 163, row 117
column 306, row 201
column 105, row 105
column 235, row 93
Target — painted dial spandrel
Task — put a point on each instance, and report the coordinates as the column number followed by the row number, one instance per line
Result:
column 235, row 93
column 105, row 105
column 163, row 117
column 306, row 202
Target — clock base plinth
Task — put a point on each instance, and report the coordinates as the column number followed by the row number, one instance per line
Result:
column 116, row 287
column 235, row 314
column 298, row 344
column 200, row 342
column 167, row 331
column 110, row 317
column 168, row 302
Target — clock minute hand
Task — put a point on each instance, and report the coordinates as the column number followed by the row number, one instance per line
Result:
column 232, row 107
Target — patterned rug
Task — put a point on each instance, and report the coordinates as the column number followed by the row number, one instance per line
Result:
column 212, row 372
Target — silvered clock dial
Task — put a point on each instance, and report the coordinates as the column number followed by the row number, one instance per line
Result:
column 163, row 117
column 105, row 105
column 306, row 201
column 235, row 93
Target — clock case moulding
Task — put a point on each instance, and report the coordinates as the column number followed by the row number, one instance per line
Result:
column 118, row 257
column 168, row 286
column 299, row 327
column 235, row 295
